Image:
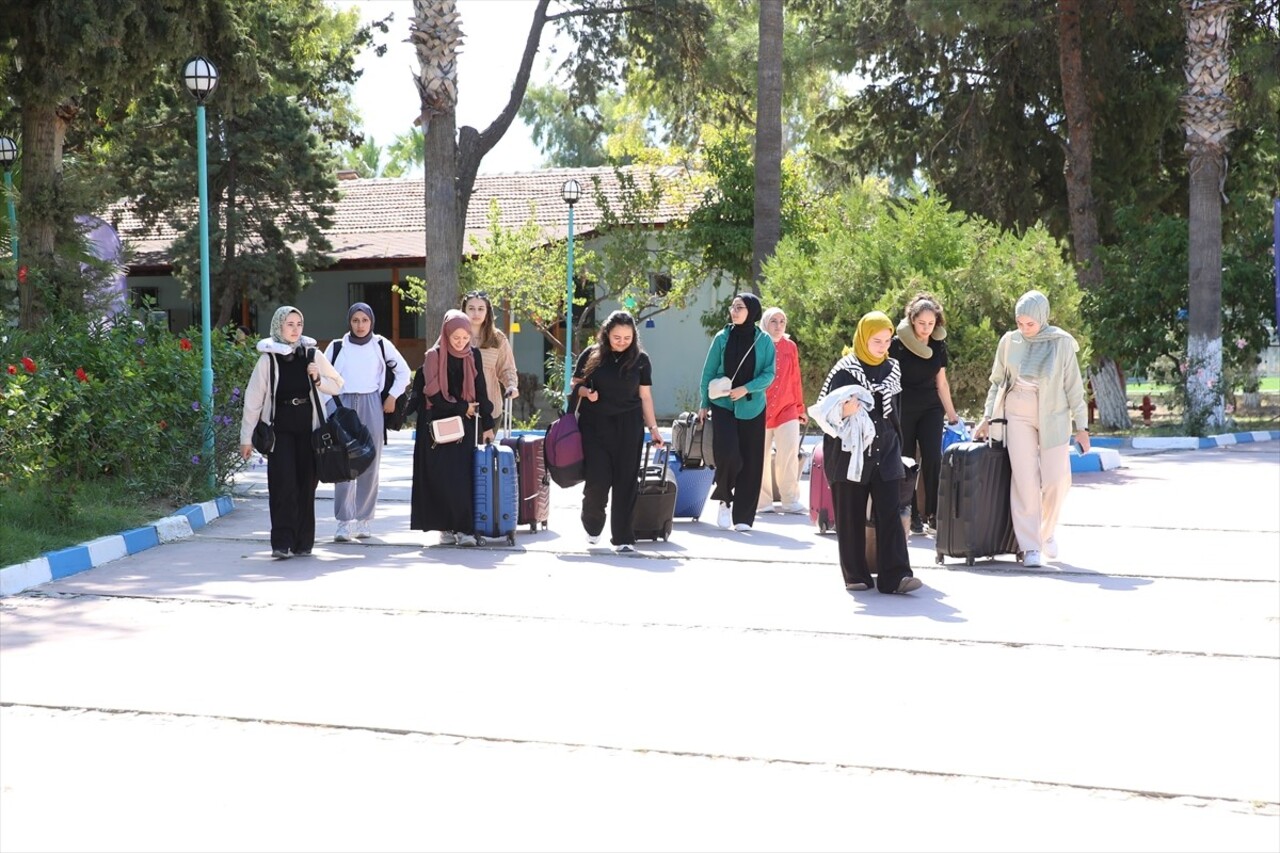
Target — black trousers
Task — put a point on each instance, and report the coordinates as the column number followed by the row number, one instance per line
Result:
column 291, row 491
column 611, row 455
column 922, row 433
column 892, row 561
column 739, row 452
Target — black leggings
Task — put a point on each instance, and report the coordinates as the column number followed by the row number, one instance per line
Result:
column 611, row 448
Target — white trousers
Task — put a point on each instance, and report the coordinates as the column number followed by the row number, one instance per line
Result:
column 1041, row 477
column 782, row 476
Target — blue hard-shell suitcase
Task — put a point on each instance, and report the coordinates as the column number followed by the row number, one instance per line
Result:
column 693, row 486
column 496, row 492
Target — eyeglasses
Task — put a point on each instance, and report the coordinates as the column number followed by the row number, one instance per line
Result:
column 737, row 306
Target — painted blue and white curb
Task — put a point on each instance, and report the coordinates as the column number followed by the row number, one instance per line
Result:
column 1187, row 442
column 55, row 565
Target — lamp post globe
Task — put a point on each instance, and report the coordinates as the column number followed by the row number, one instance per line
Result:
column 570, row 192
column 200, row 76
column 8, row 154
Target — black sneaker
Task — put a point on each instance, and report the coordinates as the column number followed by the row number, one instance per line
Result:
column 916, row 526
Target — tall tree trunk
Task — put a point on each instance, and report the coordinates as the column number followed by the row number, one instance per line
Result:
column 1207, row 119
column 444, row 231
column 1105, row 379
column 43, row 132
column 768, row 154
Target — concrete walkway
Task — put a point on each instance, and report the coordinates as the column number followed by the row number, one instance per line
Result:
column 720, row 691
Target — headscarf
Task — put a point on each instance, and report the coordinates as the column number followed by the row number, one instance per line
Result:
column 871, row 323
column 277, row 323
column 1041, row 347
column 436, row 368
column 351, row 312
column 769, row 314
column 740, row 339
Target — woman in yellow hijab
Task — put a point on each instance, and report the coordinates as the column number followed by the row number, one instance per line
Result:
column 867, row 379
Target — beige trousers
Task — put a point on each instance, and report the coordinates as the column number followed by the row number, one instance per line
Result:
column 1041, row 478
column 783, row 475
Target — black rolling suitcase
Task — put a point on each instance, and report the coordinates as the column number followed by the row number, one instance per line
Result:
column 655, row 506
column 973, row 502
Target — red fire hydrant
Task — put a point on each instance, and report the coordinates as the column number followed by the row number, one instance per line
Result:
column 1146, row 408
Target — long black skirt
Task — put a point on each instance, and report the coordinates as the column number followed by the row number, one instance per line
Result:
column 442, row 486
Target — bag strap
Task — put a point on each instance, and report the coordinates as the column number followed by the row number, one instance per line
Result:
column 271, row 385
column 750, row 349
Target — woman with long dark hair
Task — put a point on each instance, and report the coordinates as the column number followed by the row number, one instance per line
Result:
column 612, row 380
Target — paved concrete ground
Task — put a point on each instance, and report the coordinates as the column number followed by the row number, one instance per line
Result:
column 720, row 691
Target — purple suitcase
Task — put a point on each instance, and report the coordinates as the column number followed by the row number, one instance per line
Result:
column 822, row 510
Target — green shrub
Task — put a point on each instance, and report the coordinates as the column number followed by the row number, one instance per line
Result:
column 85, row 399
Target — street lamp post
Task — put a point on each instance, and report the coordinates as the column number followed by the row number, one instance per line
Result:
column 9, row 153
column 201, row 78
column 570, row 193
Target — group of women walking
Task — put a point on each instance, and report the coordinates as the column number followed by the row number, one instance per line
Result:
column 887, row 399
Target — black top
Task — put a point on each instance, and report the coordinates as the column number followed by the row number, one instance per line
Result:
column 619, row 391
column 919, row 375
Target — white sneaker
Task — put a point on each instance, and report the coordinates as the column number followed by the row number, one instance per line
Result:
column 795, row 508
column 1031, row 560
column 593, row 540
column 724, row 518
column 343, row 533
column 1051, row 549
column 625, row 548
column 448, row 537
column 362, row 530
column 741, row 527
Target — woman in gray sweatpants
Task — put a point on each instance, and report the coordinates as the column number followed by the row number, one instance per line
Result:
column 363, row 359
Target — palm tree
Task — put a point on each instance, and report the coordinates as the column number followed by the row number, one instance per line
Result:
column 1207, row 119
column 436, row 33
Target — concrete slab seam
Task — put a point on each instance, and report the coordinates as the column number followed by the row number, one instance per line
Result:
column 55, row 565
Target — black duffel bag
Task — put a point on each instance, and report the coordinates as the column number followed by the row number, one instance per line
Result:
column 342, row 444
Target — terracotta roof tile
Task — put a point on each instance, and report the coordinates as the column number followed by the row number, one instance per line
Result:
column 384, row 218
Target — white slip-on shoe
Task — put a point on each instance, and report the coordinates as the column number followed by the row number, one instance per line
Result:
column 448, row 537
column 741, row 527
column 625, row 548
column 724, row 518
column 343, row 533
column 1031, row 560
column 1051, row 548
column 593, row 540
column 794, row 508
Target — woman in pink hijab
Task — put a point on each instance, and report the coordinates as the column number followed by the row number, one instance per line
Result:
column 451, row 383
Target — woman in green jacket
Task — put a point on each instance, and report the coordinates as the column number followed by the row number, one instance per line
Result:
column 744, row 355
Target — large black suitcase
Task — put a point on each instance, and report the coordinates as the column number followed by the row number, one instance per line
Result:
column 655, row 506
column 973, row 502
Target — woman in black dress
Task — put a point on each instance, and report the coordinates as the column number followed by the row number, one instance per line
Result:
column 451, row 383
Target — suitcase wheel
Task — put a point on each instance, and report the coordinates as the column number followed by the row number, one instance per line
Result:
column 511, row 538
column 533, row 527
column 666, row 532
column 968, row 561
column 937, row 557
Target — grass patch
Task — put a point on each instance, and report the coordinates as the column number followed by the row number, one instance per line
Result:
column 30, row 523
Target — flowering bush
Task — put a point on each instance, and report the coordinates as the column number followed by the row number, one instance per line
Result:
column 84, row 399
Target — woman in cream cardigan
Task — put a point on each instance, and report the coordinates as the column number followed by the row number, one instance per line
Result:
column 1036, row 385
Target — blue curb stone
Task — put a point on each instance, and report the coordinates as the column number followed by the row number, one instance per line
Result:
column 225, row 505
column 194, row 514
column 68, row 561
column 140, row 539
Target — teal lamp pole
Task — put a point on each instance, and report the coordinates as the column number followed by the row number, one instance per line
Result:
column 9, row 153
column 570, row 192
column 201, row 78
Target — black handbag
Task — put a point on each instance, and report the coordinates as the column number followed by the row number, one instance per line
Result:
column 264, row 438
column 264, row 434
column 342, row 445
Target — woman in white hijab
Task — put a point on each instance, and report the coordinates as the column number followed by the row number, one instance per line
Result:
column 1036, row 385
